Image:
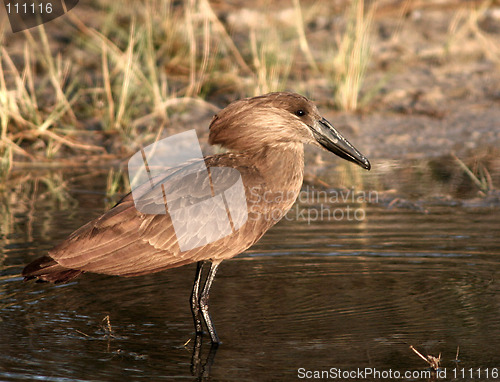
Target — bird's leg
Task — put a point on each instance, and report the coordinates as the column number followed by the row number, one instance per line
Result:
column 195, row 299
column 204, row 303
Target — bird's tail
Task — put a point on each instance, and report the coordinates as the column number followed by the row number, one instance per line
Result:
column 47, row 269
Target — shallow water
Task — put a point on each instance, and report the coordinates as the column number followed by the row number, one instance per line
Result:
column 314, row 294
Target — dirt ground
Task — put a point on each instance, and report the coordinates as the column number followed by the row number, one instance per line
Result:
column 435, row 68
column 433, row 102
column 434, row 75
column 432, row 85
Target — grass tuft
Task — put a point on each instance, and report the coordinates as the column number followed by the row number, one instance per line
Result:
column 353, row 56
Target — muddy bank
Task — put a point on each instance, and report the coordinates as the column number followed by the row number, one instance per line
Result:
column 433, row 83
column 431, row 91
column 431, row 88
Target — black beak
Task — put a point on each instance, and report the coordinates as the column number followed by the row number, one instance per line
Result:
column 333, row 141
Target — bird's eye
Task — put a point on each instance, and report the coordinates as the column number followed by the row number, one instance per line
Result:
column 300, row 113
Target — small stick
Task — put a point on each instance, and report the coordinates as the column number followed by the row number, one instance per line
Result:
column 108, row 323
column 418, row 353
column 86, row 335
column 431, row 360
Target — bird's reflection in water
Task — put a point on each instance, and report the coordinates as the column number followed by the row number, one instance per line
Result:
column 200, row 364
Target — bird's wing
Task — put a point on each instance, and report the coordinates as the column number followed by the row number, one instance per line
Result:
column 136, row 238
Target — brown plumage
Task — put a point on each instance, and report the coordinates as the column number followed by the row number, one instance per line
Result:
column 265, row 135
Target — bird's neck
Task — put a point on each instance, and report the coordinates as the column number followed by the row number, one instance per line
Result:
column 282, row 165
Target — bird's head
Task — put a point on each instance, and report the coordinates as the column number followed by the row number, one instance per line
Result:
column 279, row 119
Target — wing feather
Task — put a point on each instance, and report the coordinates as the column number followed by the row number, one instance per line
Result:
column 125, row 241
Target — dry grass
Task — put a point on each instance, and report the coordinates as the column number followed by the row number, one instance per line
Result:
column 151, row 59
column 479, row 175
column 352, row 56
column 114, row 89
column 466, row 23
column 272, row 61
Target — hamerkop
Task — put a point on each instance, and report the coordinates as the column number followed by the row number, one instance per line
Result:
column 265, row 136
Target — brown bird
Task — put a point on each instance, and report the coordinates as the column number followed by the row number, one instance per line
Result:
column 265, row 136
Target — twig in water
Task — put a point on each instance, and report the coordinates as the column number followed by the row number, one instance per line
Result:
column 82, row 333
column 107, row 326
column 431, row 360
